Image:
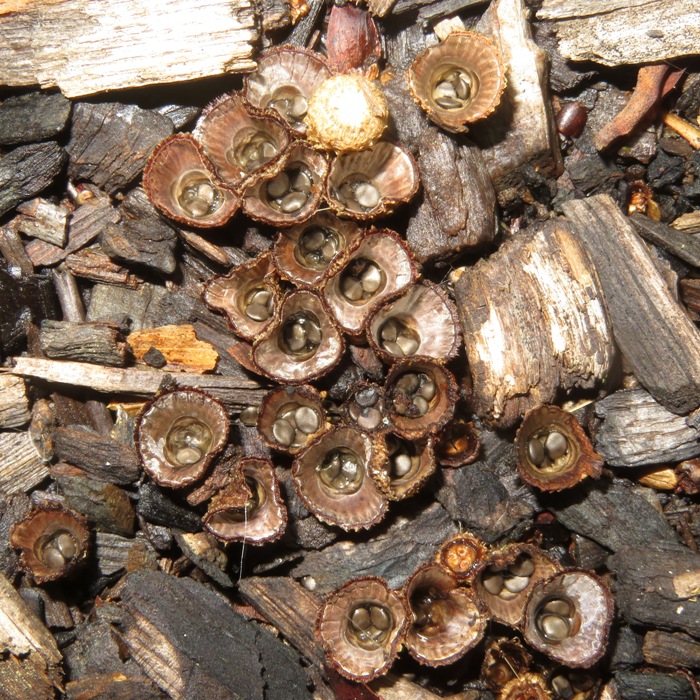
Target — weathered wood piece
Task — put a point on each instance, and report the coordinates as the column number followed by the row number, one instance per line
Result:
column 658, row 340
column 98, row 455
column 189, row 655
column 113, row 685
column 614, row 514
column 657, row 587
column 21, row 467
column 30, row 665
column 14, row 404
column 179, row 346
column 234, row 391
column 522, row 129
column 636, row 430
column 85, row 48
column 635, row 685
column 205, row 552
column 503, row 501
column 401, row 6
column 681, row 244
column 110, row 142
column 534, row 323
column 44, row 220
column 98, row 343
column 115, row 553
column 93, row 265
column 158, row 508
column 105, row 505
column 672, row 649
column 394, row 555
column 12, row 250
column 32, row 117
column 624, row 32
column 84, row 225
column 141, row 237
column 27, row 170
column 458, row 211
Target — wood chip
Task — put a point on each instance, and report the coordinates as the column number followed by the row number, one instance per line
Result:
column 84, row 48
column 179, row 345
column 21, row 467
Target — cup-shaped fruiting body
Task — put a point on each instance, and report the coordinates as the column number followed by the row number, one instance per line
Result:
column 361, row 627
column 458, row 81
column 285, row 79
column 179, row 182
column 249, row 295
column 178, row 434
column 508, row 577
column 292, row 195
column 241, row 142
column 529, row 686
column 422, row 322
column 309, row 253
column 347, row 112
column 372, row 182
column 407, row 466
column 421, row 397
column 378, row 269
column 333, row 477
column 303, row 345
column 446, row 620
column 553, row 451
column 457, row 444
column 250, row 508
column 291, row 417
column 579, row 684
column 364, row 408
column 568, row 618
column 504, row 660
column 463, row 556
column 53, row 541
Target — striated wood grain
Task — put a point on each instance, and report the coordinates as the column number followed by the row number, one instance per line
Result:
column 21, row 467
column 533, row 322
column 179, row 345
column 85, row 47
column 621, row 32
column 656, row 337
column 14, row 404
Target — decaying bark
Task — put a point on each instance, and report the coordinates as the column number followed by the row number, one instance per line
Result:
column 658, row 340
column 99, row 343
column 533, row 322
column 30, row 660
column 636, row 430
column 83, row 47
column 621, row 32
column 522, row 128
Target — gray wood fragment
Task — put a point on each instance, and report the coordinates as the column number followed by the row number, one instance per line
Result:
column 21, row 467
column 45, row 220
column 28, row 170
column 14, row 404
column 636, row 430
column 32, row 117
column 681, row 244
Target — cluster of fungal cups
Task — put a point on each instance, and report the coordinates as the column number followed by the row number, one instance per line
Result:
column 443, row 610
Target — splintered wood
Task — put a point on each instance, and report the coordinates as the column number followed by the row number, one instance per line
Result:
column 86, row 47
column 534, row 323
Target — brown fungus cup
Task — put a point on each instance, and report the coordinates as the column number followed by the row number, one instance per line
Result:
column 407, row 466
column 446, row 620
column 303, row 345
column 284, row 81
column 373, row 182
column 421, row 397
column 242, row 143
column 553, row 451
column 309, row 253
column 178, row 434
column 250, row 508
column 568, row 618
column 333, row 477
column 291, row 195
column 53, row 541
column 290, row 418
column 529, row 686
column 462, row 556
column 457, row 444
column 458, row 81
column 504, row 660
column 361, row 627
column 509, row 575
column 249, row 295
column 178, row 181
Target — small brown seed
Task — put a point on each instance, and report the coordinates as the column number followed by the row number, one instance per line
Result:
column 188, row 455
column 402, row 464
column 492, row 582
column 66, row 545
column 556, row 445
column 381, row 618
column 516, row 584
column 408, row 344
column 307, row 420
column 553, row 628
column 249, row 416
column 278, row 186
column 421, row 404
column 257, row 312
column 283, row 431
column 351, row 288
column 558, row 606
column 361, row 619
column 53, row 558
column 523, row 566
column 535, row 451
column 371, row 278
column 428, row 388
column 293, row 202
column 367, row 195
